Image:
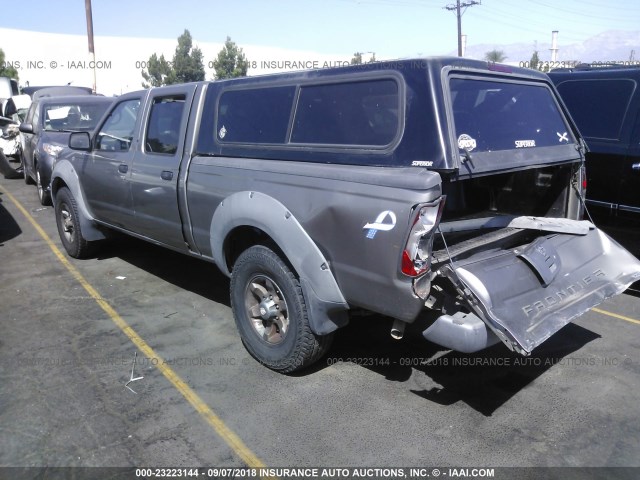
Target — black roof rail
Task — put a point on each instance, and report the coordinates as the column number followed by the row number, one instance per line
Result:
column 580, row 67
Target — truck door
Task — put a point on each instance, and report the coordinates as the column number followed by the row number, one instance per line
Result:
column 630, row 179
column 601, row 107
column 155, row 173
column 106, row 171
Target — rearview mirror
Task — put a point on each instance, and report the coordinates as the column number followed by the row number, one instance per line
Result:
column 80, row 141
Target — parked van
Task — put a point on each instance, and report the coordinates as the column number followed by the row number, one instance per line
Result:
column 605, row 104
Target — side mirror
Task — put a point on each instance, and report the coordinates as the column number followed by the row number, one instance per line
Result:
column 80, row 141
column 26, row 128
column 8, row 108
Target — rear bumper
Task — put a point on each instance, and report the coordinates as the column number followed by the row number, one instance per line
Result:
column 462, row 332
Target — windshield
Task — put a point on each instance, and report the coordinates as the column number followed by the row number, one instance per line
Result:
column 73, row 117
column 493, row 115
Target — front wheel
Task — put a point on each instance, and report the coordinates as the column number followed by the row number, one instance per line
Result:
column 43, row 194
column 68, row 222
column 27, row 178
column 270, row 312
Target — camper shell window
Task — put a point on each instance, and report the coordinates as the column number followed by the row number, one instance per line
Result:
column 255, row 115
column 346, row 114
column 358, row 113
column 493, row 115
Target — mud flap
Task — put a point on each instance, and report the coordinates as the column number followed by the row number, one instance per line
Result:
column 527, row 294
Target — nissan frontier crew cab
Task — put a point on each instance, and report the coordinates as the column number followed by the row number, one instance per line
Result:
column 440, row 185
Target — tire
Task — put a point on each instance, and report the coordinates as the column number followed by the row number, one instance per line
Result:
column 43, row 195
column 27, row 178
column 68, row 222
column 270, row 312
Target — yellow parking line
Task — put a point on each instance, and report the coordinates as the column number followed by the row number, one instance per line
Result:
column 236, row 444
column 615, row 315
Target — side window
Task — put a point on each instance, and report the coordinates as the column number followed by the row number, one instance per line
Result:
column 599, row 107
column 163, row 129
column 356, row 113
column 258, row 115
column 117, row 132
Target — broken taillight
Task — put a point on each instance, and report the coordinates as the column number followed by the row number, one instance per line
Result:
column 416, row 256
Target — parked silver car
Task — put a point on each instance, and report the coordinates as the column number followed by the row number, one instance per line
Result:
column 49, row 122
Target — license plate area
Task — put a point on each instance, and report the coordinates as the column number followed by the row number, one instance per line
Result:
column 542, row 257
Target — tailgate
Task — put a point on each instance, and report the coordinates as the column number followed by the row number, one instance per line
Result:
column 527, row 294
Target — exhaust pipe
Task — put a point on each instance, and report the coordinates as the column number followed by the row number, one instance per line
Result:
column 397, row 329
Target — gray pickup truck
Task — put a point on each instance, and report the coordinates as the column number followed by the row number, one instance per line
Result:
column 446, row 189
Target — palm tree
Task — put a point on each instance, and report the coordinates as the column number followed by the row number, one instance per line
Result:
column 495, row 56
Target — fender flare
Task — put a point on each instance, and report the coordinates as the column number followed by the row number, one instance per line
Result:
column 326, row 305
column 64, row 172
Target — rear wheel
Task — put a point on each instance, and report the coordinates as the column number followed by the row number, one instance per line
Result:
column 68, row 222
column 270, row 312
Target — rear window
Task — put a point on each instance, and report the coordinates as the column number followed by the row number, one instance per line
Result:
column 491, row 115
column 599, row 107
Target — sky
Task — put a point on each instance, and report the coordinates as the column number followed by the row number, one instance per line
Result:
column 295, row 29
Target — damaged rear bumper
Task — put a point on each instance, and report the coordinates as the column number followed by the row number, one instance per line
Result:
column 522, row 296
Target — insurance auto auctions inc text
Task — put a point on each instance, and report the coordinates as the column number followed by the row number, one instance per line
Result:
column 366, row 472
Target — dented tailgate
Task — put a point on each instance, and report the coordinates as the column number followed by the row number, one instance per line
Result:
column 527, row 294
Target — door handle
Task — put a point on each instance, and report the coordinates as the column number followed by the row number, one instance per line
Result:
column 635, row 166
column 123, row 168
column 166, row 175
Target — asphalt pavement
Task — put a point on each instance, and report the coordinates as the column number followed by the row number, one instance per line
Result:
column 65, row 360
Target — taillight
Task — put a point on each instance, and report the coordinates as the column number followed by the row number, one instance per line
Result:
column 416, row 256
column 583, row 174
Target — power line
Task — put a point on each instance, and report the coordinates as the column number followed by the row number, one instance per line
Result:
column 457, row 8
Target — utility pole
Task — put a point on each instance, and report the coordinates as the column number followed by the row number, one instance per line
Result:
column 460, row 8
column 92, row 52
column 554, row 46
